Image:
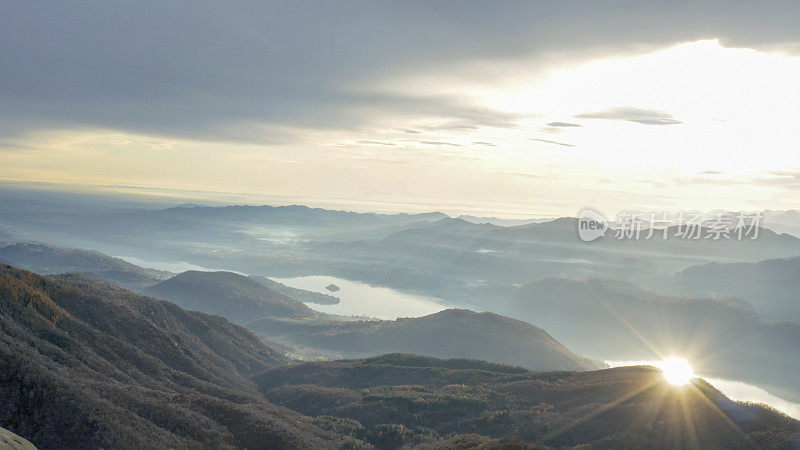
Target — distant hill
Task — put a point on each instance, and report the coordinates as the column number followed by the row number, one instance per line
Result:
column 227, row 294
column 772, row 286
column 458, row 233
column 46, row 259
column 297, row 294
column 88, row 365
column 501, row 222
column 290, row 213
column 563, row 232
column 783, row 221
column 452, row 333
column 411, row 400
column 429, row 254
column 473, row 263
column 616, row 320
column 273, row 223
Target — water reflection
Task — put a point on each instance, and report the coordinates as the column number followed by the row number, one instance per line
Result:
column 361, row 299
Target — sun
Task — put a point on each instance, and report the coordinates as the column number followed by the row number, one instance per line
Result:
column 677, row 371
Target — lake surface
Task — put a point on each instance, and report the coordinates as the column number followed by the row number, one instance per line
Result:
column 357, row 299
column 735, row 390
column 361, row 299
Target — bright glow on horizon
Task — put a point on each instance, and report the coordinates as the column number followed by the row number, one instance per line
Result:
column 677, row 371
column 726, row 141
column 733, row 104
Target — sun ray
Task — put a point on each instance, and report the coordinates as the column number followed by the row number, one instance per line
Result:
column 725, row 418
column 629, row 326
column 686, row 414
column 596, row 412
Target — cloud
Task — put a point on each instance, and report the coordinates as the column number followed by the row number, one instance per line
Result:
column 552, row 142
column 782, row 178
column 487, row 144
column 524, row 174
column 654, row 183
column 711, row 181
column 712, row 172
column 265, row 71
column 563, row 124
column 375, row 142
column 551, row 130
column 13, row 146
column 631, row 114
column 450, row 144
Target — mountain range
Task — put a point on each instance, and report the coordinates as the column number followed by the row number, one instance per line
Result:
column 48, row 259
column 398, row 399
column 88, row 365
column 730, row 337
column 770, row 286
column 236, row 297
column 452, row 333
column 615, row 320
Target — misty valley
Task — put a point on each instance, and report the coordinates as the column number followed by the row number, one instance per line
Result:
column 456, row 312
column 397, row 225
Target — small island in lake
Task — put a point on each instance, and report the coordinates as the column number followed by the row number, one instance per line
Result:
column 297, row 294
column 332, row 287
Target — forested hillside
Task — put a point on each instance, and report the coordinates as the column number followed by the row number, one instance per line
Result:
column 87, row 365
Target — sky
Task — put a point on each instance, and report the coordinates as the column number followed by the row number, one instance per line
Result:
column 510, row 109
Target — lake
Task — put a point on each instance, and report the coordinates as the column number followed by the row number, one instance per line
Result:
column 357, row 299
column 361, row 299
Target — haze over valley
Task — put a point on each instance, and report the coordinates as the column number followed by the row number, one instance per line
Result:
column 399, row 225
column 647, row 300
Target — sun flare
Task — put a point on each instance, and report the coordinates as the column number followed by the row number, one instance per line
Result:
column 677, row 371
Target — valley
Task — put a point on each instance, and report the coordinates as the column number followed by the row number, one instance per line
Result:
column 427, row 295
column 393, row 225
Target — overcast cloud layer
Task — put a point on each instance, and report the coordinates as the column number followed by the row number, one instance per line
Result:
column 253, row 70
column 508, row 108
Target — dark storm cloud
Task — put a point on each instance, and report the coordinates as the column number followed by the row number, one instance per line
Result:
column 630, row 114
column 255, row 70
